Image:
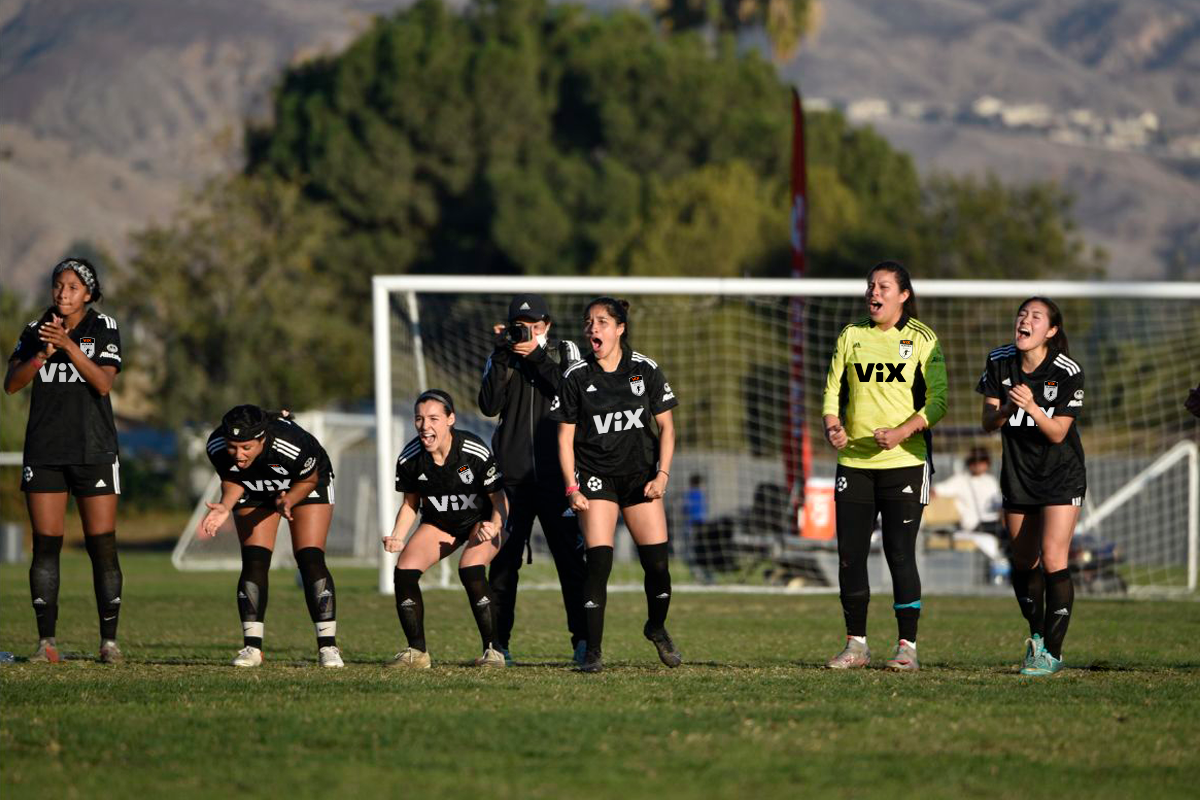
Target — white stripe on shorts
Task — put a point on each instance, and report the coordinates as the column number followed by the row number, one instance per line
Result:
column 116, row 476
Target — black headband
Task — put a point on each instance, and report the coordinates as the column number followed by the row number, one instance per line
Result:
column 436, row 394
column 85, row 273
column 244, row 433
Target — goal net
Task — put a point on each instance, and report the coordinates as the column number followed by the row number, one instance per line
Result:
column 725, row 346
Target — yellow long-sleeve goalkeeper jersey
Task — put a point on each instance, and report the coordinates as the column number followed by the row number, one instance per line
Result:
column 877, row 379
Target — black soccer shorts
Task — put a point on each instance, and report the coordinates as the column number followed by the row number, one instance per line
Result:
column 858, row 485
column 624, row 490
column 81, row 480
column 323, row 494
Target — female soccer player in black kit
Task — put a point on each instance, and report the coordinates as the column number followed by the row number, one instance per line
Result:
column 270, row 467
column 1033, row 393
column 451, row 478
column 612, row 461
column 72, row 354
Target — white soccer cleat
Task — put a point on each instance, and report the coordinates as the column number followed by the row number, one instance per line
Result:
column 330, row 657
column 491, row 658
column 410, row 658
column 855, row 655
column 248, row 657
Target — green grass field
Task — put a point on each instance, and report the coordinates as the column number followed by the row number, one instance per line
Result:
column 749, row 715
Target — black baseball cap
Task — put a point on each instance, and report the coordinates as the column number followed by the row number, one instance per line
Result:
column 529, row 306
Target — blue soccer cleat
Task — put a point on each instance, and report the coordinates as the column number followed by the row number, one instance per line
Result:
column 1044, row 664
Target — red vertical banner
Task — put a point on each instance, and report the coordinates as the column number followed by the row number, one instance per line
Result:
column 797, row 450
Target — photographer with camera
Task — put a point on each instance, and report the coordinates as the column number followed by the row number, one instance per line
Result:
column 520, row 383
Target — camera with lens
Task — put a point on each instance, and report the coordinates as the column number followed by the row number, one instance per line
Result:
column 514, row 333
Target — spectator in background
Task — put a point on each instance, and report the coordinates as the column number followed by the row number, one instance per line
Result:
column 976, row 493
column 1192, row 403
column 694, row 513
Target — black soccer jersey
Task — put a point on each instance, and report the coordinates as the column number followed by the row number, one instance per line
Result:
column 289, row 454
column 1035, row 470
column 454, row 495
column 70, row 423
column 612, row 413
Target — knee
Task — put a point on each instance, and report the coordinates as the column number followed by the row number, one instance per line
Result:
column 406, row 580
column 654, row 557
column 311, row 562
column 256, row 563
column 472, row 575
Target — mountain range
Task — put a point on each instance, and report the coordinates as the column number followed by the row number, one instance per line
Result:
column 112, row 110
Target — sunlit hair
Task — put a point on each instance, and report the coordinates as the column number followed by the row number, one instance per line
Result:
column 903, row 281
column 1059, row 340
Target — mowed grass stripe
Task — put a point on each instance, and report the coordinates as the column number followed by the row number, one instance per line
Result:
column 750, row 715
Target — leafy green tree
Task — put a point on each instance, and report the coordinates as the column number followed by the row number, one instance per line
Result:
column 227, row 306
column 785, row 22
column 15, row 314
column 983, row 228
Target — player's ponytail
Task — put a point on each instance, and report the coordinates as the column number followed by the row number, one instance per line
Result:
column 903, row 280
column 1059, row 340
column 617, row 309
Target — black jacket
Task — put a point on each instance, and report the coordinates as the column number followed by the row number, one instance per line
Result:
column 523, row 391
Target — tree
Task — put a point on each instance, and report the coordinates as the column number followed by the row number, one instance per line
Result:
column 981, row 228
column 227, row 307
column 785, row 22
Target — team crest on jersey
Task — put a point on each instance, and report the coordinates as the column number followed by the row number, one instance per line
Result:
column 88, row 345
column 905, row 348
column 1050, row 390
column 278, row 468
column 637, row 385
column 465, row 473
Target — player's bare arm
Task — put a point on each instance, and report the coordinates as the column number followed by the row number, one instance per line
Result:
column 394, row 541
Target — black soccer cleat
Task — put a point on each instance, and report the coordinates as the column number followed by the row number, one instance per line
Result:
column 667, row 652
column 593, row 661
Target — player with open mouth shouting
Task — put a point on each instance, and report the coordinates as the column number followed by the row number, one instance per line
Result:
column 1033, row 393
column 612, row 461
column 886, row 384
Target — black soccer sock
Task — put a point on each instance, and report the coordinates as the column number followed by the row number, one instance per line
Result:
column 854, row 524
column 1030, row 588
column 106, row 580
column 595, row 592
column 901, row 521
column 657, row 583
column 1060, row 596
column 504, row 574
column 479, row 593
column 319, row 594
column 410, row 606
column 252, row 593
column 43, row 582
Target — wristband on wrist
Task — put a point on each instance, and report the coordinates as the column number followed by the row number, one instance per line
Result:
column 664, row 472
column 572, row 489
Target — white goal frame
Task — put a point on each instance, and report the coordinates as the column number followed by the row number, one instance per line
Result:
column 383, row 286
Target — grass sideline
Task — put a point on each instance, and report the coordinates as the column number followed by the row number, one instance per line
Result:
column 750, row 714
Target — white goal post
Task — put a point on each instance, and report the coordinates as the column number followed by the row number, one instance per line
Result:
column 1139, row 344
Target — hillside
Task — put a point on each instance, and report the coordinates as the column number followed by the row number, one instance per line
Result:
column 110, row 111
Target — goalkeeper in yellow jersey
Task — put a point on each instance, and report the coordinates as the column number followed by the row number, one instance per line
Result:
column 885, row 389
